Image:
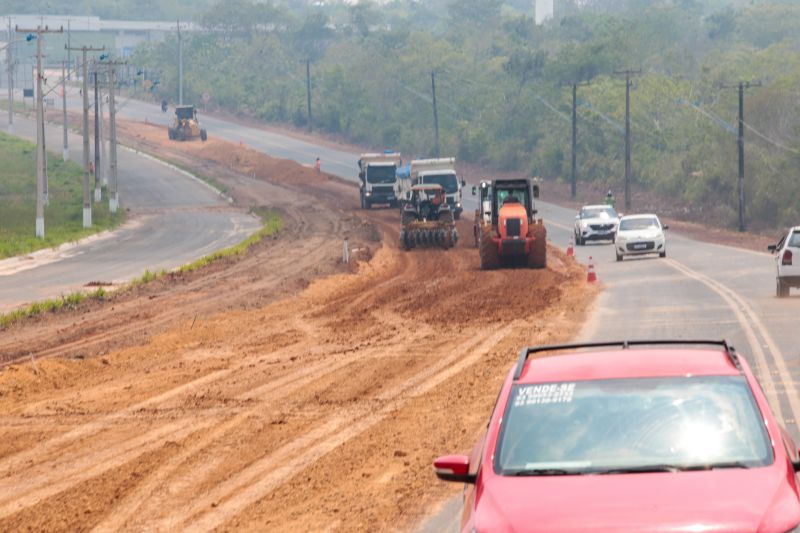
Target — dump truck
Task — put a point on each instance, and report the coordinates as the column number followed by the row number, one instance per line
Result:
column 426, row 219
column 441, row 171
column 509, row 232
column 185, row 126
column 377, row 177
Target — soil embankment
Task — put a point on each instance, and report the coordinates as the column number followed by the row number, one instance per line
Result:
column 283, row 391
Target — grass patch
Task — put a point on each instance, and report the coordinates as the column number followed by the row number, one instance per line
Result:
column 63, row 218
column 69, row 301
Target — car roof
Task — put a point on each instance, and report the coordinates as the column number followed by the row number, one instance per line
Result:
column 628, row 363
column 598, row 206
column 427, row 187
column 647, row 215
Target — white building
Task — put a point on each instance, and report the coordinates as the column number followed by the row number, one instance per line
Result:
column 543, row 10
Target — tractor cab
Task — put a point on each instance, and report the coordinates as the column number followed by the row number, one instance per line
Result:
column 186, row 112
column 427, row 200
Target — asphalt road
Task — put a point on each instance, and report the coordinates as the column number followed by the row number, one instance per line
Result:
column 173, row 219
column 700, row 290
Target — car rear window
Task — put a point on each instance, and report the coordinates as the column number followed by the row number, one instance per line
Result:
column 794, row 240
column 637, row 223
column 601, row 425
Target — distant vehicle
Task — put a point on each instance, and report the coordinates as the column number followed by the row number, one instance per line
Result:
column 377, row 174
column 787, row 261
column 640, row 234
column 441, row 171
column 427, row 220
column 630, row 437
column 595, row 223
column 506, row 228
column 186, row 126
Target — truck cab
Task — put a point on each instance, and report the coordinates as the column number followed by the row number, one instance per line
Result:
column 451, row 184
column 377, row 176
column 441, row 171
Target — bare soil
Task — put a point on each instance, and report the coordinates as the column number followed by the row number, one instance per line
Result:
column 282, row 391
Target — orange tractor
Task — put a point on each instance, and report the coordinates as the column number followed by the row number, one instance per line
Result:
column 507, row 231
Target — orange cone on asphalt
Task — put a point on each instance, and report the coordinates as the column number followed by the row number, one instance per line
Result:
column 591, row 276
column 570, row 248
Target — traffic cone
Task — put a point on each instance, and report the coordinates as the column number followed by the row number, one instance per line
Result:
column 591, row 276
column 570, row 248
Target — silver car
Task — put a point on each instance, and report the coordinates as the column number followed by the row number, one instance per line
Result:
column 595, row 223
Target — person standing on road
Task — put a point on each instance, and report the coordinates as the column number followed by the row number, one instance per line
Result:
column 610, row 200
column 318, row 166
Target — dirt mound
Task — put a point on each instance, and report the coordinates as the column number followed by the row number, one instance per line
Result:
column 281, row 392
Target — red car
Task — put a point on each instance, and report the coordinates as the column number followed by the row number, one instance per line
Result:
column 640, row 436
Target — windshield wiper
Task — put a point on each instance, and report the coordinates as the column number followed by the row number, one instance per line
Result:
column 644, row 469
column 544, row 472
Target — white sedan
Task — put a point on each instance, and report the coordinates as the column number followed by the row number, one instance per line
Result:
column 788, row 266
column 640, row 234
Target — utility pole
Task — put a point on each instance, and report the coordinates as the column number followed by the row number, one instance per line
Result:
column 436, row 146
column 180, row 65
column 69, row 49
column 574, row 171
column 741, row 86
column 10, row 65
column 97, row 182
column 64, row 107
column 628, row 73
column 87, row 201
column 308, row 93
column 41, row 155
column 113, row 190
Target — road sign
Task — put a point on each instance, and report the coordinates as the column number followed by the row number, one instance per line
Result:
column 206, row 97
column 27, row 93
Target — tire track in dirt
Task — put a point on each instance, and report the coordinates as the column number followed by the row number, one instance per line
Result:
column 221, row 425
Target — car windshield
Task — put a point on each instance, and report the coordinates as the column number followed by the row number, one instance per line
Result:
column 448, row 181
column 627, row 224
column 381, row 174
column 598, row 212
column 620, row 425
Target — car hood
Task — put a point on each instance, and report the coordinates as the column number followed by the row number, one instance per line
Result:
column 756, row 500
column 640, row 234
column 600, row 220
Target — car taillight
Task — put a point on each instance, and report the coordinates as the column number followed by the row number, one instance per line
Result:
column 787, row 257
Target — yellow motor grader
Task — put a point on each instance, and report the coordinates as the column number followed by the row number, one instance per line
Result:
column 186, row 126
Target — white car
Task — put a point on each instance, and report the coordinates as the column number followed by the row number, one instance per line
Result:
column 595, row 223
column 787, row 260
column 640, row 234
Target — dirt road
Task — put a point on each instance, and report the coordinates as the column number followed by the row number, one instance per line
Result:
column 280, row 392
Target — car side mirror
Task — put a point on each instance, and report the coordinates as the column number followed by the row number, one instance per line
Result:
column 474, row 190
column 454, row 468
column 666, row 227
column 772, row 248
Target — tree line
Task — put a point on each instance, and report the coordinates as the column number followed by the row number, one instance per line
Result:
column 503, row 85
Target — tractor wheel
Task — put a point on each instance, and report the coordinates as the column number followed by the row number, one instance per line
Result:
column 488, row 250
column 203, row 135
column 171, row 134
column 181, row 135
column 457, row 215
column 538, row 255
